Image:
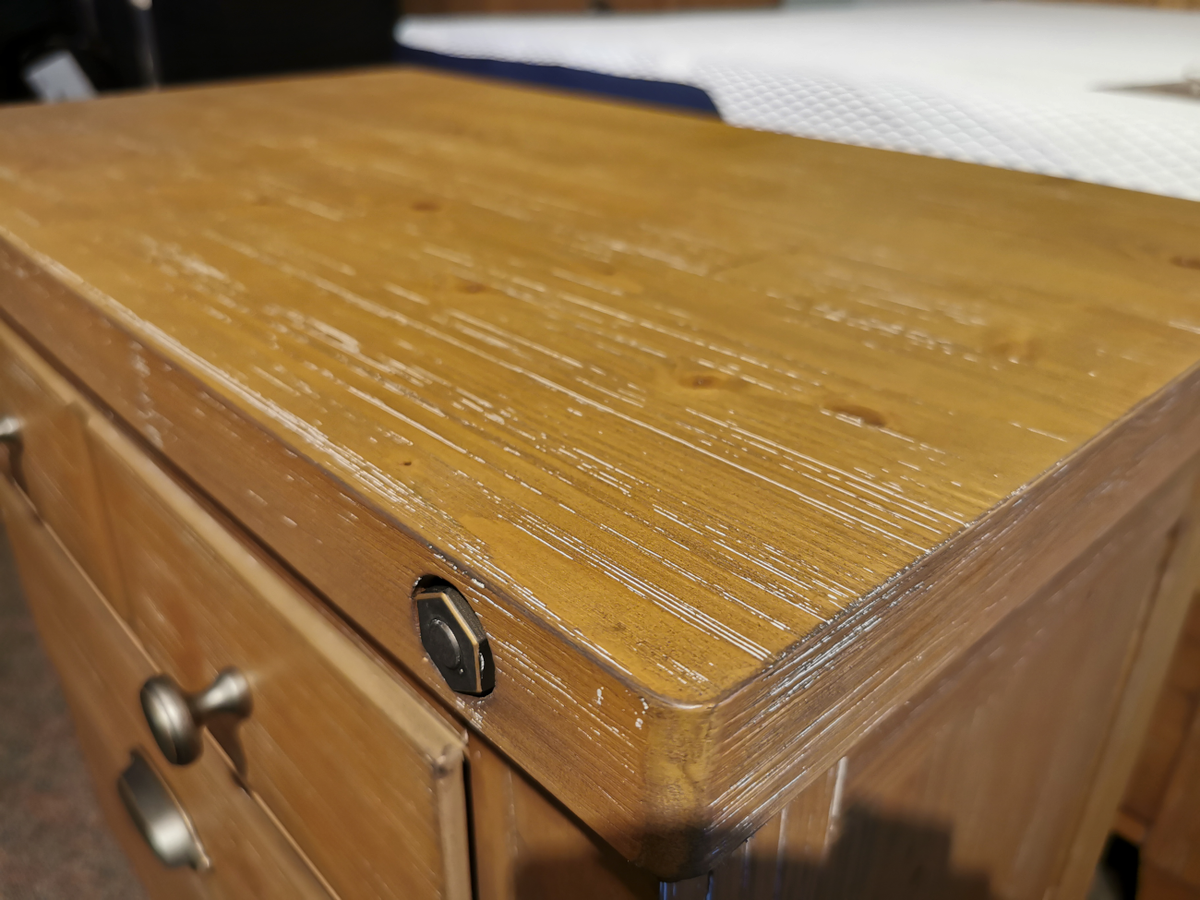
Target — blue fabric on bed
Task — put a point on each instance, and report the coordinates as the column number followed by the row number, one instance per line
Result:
column 681, row 96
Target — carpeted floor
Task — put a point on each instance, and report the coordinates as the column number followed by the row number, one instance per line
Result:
column 53, row 843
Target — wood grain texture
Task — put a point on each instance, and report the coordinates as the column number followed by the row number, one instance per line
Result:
column 1146, row 671
column 1166, row 754
column 1173, row 843
column 101, row 668
column 1000, row 780
column 527, row 847
column 734, row 441
column 1022, row 751
column 784, row 858
column 52, row 461
column 361, row 771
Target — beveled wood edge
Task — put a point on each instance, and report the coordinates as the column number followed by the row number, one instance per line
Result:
column 14, row 502
column 211, row 745
column 42, row 370
column 687, row 822
column 440, row 745
column 454, row 825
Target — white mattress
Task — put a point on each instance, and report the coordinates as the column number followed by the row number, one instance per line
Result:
column 1023, row 86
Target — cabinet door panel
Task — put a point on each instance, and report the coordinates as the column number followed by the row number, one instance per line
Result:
column 101, row 668
column 50, row 458
column 360, row 770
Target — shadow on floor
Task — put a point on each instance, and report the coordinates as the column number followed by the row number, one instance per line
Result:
column 875, row 858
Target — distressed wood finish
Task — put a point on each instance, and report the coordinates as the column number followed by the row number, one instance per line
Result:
column 101, row 668
column 364, row 775
column 977, row 788
column 1019, row 755
column 52, row 462
column 735, row 441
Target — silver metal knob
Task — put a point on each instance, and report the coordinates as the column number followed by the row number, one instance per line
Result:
column 10, row 430
column 11, row 436
column 176, row 719
column 159, row 817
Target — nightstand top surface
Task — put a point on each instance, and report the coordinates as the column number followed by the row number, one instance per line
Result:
column 690, row 391
column 684, row 394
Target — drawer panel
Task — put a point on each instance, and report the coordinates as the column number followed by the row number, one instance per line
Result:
column 360, row 770
column 101, row 668
column 52, row 461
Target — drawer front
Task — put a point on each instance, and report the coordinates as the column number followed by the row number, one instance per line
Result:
column 50, row 458
column 364, row 774
column 101, row 668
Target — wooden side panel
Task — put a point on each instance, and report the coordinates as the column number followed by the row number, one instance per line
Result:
column 101, row 668
column 365, row 776
column 1177, row 706
column 999, row 780
column 1155, row 884
column 1154, row 810
column 784, row 857
column 1147, row 673
column 52, row 463
column 1174, row 840
column 1000, row 756
column 527, row 847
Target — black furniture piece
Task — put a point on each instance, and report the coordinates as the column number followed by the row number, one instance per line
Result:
column 122, row 44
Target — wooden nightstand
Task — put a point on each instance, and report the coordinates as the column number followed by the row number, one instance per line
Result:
column 578, row 498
